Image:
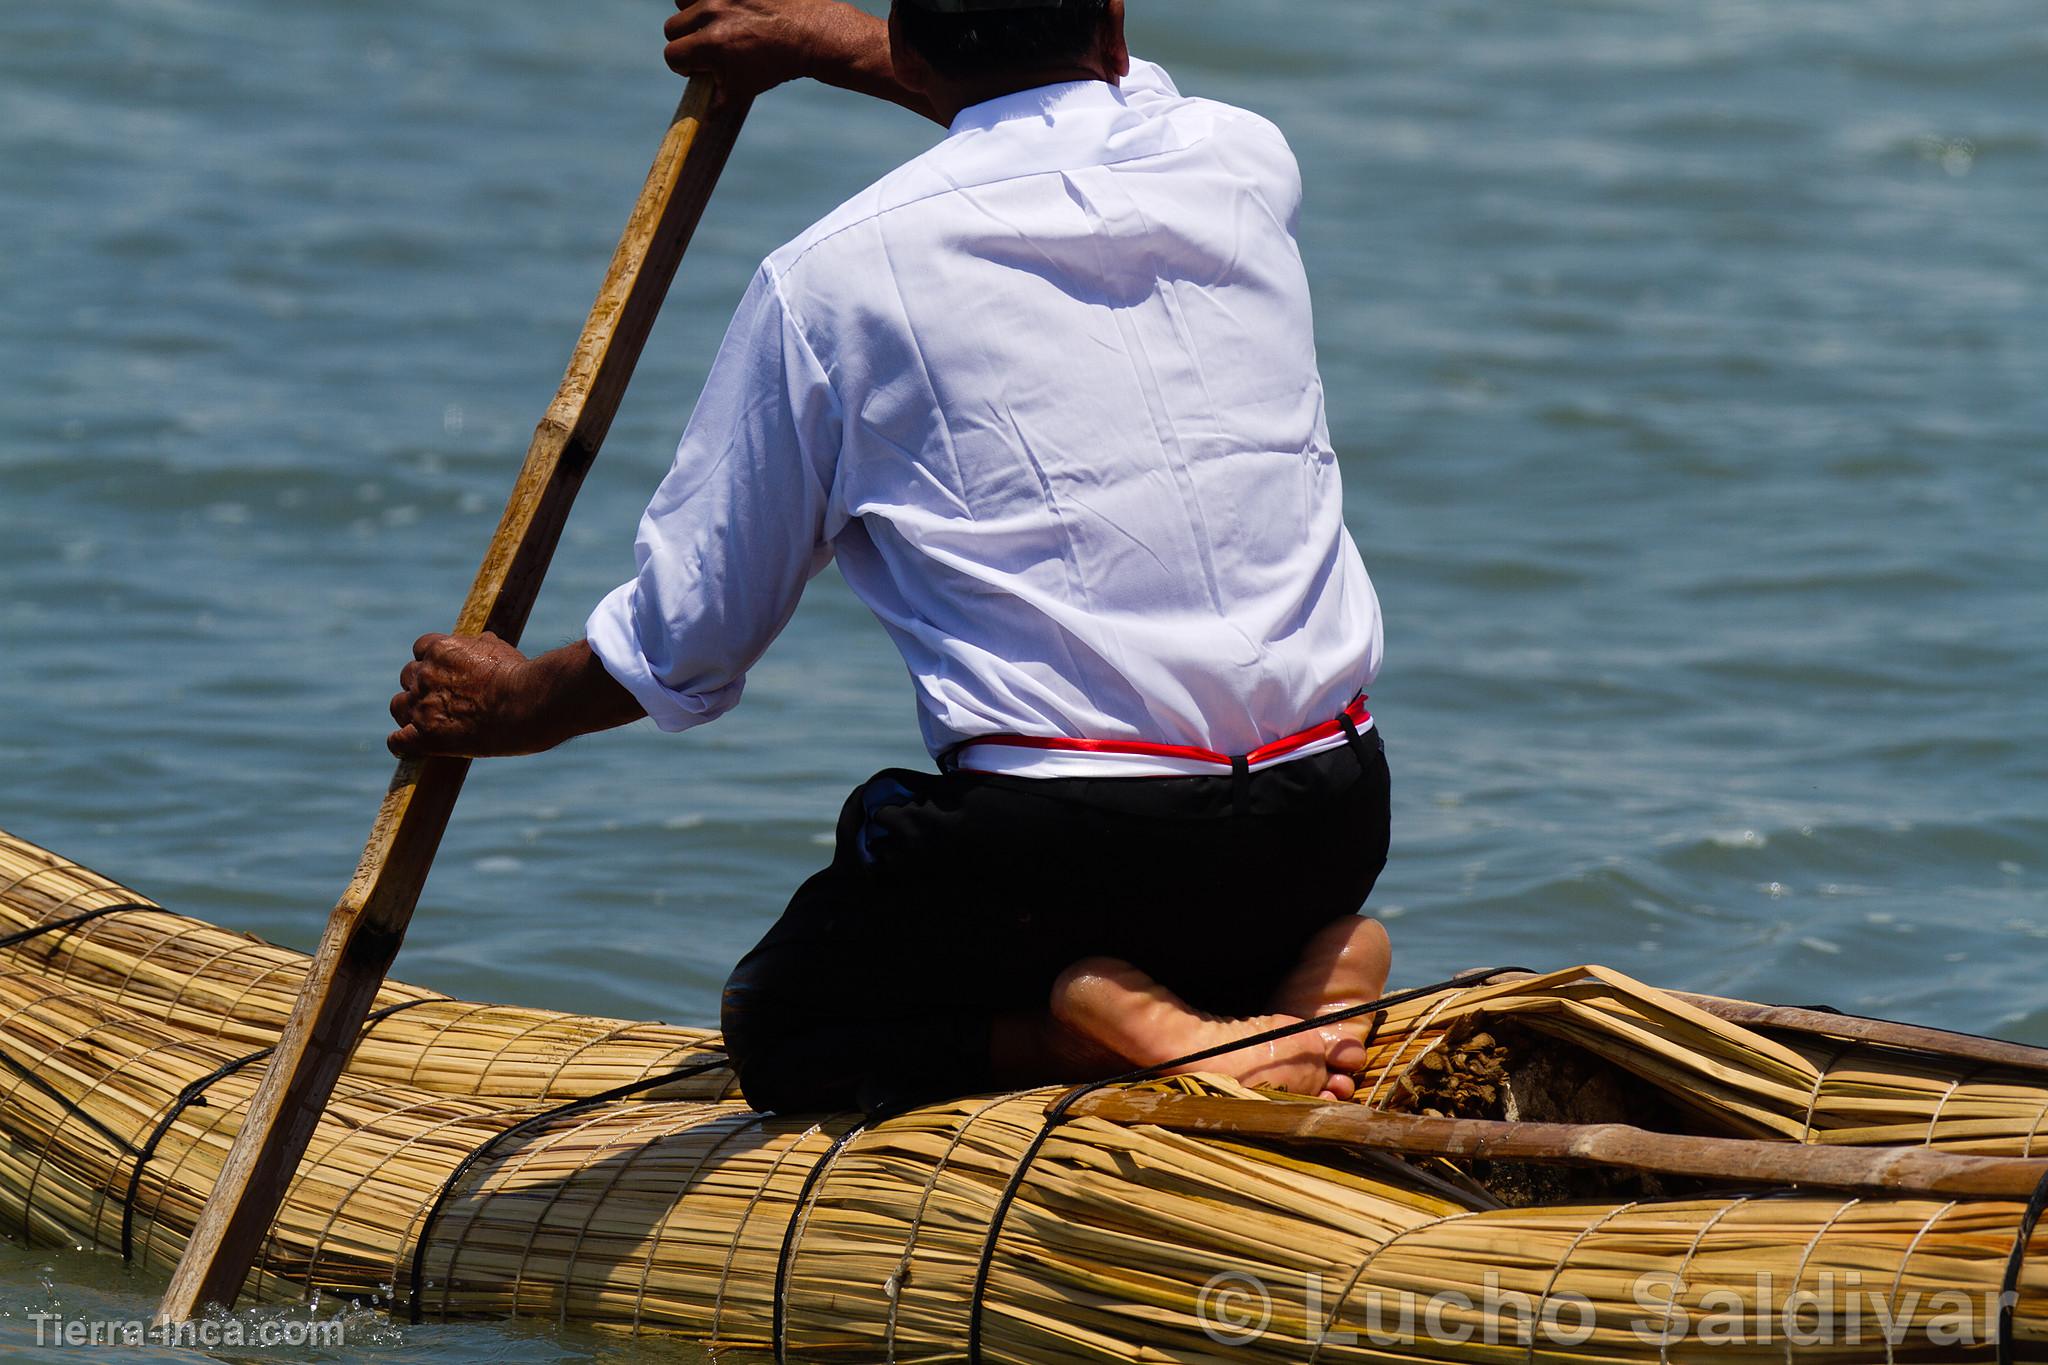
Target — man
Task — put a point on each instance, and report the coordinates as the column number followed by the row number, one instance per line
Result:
column 1049, row 395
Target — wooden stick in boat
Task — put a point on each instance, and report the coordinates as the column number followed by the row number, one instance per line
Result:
column 1885, row 1032
column 1853, row 1028
column 366, row 928
column 1614, row 1146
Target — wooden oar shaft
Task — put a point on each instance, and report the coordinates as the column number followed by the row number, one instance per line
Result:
column 1736, row 1161
column 367, row 926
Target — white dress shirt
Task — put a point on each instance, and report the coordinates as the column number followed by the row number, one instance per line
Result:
column 1049, row 394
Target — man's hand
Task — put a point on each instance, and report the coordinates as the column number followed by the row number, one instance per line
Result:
column 468, row 697
column 749, row 46
column 478, row 697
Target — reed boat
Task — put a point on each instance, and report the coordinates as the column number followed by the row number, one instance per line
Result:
column 1565, row 1166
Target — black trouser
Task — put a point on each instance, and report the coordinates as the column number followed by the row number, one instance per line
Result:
column 954, row 898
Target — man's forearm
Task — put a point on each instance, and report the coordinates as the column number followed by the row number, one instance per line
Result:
column 574, row 695
column 854, row 55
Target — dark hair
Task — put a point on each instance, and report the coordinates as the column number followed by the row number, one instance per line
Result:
column 984, row 42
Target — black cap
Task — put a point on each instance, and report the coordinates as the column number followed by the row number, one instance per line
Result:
column 979, row 6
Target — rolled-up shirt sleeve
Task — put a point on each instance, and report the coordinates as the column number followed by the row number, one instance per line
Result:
column 738, row 527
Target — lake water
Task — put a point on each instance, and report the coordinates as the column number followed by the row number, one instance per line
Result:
column 1689, row 359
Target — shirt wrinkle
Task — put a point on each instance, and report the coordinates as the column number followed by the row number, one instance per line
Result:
column 1053, row 406
column 803, row 248
column 938, row 419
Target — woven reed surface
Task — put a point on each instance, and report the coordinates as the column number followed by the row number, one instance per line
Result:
column 690, row 1215
column 234, row 987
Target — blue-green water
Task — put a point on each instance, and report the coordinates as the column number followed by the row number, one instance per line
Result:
column 1689, row 359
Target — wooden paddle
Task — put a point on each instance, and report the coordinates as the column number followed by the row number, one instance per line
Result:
column 366, row 928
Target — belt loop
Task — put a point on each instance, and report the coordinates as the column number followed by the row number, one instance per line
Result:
column 1356, row 740
column 1240, row 784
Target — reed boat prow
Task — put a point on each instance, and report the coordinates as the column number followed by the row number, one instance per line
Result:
column 1522, row 1142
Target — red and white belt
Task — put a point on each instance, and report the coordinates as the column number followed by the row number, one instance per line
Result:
column 1054, row 756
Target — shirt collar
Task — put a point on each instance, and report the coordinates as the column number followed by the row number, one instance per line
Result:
column 1042, row 102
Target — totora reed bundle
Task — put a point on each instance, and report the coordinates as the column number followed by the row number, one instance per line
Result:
column 239, row 990
column 455, row 1148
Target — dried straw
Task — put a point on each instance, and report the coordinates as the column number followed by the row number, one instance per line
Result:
column 236, row 988
column 696, row 1217
column 1731, row 1079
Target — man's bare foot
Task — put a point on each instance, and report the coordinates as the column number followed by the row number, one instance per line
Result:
column 1027, row 1050
column 1344, row 965
column 1129, row 1014
column 1318, row 1061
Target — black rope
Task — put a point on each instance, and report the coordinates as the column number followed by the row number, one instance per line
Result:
column 25, row 935
column 71, row 1108
column 490, row 1144
column 1057, row 1115
column 376, row 1017
column 788, row 1256
column 194, row 1095
column 2009, row 1288
column 68, row 1105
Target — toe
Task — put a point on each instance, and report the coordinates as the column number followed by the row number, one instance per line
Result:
column 1347, row 1056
